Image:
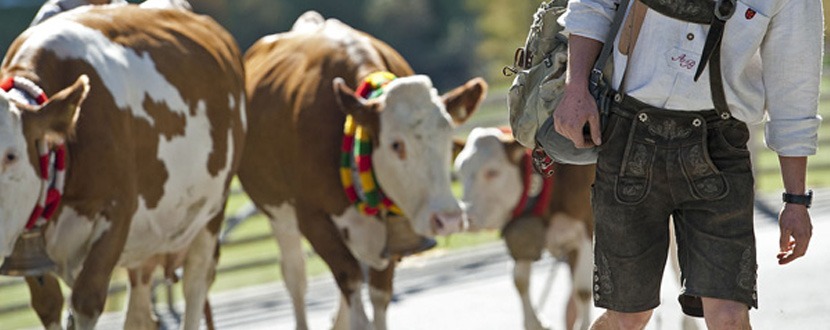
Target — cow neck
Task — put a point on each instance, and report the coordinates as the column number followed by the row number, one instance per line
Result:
column 536, row 191
column 356, row 173
column 52, row 160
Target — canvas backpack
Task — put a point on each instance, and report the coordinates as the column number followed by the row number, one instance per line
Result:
column 539, row 69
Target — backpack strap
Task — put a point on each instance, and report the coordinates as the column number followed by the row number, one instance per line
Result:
column 608, row 46
column 631, row 28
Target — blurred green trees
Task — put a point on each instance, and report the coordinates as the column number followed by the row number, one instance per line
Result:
column 450, row 40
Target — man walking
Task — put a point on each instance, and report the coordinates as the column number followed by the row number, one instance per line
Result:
column 689, row 76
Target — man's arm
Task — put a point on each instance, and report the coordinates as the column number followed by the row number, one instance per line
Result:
column 578, row 106
column 794, row 220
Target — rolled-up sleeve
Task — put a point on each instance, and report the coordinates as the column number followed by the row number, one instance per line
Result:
column 792, row 63
column 588, row 18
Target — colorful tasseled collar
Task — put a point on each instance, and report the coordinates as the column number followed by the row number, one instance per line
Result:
column 356, row 157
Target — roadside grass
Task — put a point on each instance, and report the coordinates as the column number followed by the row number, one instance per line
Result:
column 266, row 253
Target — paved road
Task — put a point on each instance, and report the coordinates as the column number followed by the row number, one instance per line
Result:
column 473, row 290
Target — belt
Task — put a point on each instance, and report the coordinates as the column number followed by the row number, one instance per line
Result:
column 627, row 107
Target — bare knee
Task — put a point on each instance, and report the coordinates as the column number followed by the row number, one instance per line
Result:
column 725, row 314
column 611, row 320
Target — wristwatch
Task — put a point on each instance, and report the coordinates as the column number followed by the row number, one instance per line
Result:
column 805, row 200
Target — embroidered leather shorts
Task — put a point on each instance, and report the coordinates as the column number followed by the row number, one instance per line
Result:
column 693, row 167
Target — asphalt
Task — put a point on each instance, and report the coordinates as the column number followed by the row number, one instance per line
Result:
column 473, row 289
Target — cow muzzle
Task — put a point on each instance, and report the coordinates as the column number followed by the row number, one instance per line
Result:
column 445, row 223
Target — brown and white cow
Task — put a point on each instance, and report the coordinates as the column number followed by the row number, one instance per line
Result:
column 298, row 99
column 150, row 151
column 502, row 192
column 498, row 187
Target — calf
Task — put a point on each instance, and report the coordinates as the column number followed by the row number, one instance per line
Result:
column 502, row 191
column 297, row 161
column 150, row 150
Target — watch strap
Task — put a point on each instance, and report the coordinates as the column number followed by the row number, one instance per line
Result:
column 805, row 200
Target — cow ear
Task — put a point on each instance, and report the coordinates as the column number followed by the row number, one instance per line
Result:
column 364, row 112
column 59, row 115
column 464, row 100
column 457, row 145
column 515, row 151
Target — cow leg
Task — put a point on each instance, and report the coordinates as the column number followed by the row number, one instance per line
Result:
column 579, row 305
column 292, row 262
column 323, row 235
column 139, row 310
column 199, row 272
column 47, row 300
column 568, row 239
column 521, row 279
column 380, row 293
column 89, row 291
column 341, row 317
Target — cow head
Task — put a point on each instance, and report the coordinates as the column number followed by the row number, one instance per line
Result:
column 21, row 126
column 492, row 180
column 411, row 128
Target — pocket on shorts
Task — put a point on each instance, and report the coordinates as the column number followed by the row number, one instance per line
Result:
column 705, row 180
column 728, row 148
column 634, row 181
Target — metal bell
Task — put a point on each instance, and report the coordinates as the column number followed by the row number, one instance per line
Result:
column 401, row 239
column 29, row 256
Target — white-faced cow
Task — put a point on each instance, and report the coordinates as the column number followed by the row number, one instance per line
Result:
column 503, row 192
column 297, row 162
column 149, row 151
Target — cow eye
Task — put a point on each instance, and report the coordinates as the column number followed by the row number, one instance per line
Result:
column 10, row 157
column 399, row 149
column 491, row 174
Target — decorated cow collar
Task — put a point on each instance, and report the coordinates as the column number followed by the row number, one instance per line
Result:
column 358, row 179
column 536, row 191
column 52, row 161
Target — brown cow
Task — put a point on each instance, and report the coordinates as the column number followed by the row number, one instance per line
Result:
column 502, row 191
column 296, row 83
column 150, row 152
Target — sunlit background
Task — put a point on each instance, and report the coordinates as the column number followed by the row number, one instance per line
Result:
column 450, row 40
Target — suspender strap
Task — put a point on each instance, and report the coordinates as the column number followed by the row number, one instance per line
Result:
column 711, row 53
column 716, row 85
column 608, row 46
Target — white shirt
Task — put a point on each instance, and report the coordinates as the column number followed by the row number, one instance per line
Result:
column 771, row 59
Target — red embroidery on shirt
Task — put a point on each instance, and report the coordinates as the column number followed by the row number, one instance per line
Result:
column 684, row 62
column 750, row 13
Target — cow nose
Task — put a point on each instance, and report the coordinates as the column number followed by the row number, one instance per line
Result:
column 445, row 223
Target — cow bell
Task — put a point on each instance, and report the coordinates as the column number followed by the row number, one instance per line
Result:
column 29, row 256
column 401, row 239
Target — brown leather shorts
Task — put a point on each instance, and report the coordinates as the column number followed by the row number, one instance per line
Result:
column 692, row 166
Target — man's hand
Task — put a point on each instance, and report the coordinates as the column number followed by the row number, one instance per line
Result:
column 578, row 106
column 576, row 109
column 796, row 230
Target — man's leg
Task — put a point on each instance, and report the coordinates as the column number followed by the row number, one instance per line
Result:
column 725, row 314
column 611, row 320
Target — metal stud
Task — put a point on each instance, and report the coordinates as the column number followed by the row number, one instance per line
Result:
column 696, row 122
column 725, row 116
column 618, row 97
column 643, row 117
